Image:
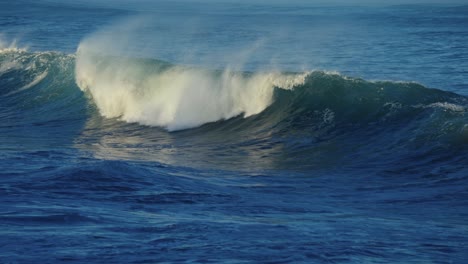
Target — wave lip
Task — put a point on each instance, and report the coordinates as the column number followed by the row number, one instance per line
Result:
column 11, row 46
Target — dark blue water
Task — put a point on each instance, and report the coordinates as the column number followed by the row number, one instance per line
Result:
column 204, row 132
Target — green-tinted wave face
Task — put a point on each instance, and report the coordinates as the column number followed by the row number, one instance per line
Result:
column 353, row 100
column 359, row 112
column 40, row 105
column 39, row 85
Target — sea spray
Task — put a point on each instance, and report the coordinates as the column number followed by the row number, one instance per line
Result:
column 176, row 97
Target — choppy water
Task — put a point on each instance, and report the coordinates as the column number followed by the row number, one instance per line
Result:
column 204, row 132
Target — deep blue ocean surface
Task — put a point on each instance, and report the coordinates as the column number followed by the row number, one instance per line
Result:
column 251, row 132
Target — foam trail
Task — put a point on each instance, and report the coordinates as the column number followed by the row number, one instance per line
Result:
column 175, row 97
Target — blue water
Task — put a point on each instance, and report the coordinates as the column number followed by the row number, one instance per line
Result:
column 201, row 132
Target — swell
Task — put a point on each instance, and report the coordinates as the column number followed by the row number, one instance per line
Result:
column 306, row 108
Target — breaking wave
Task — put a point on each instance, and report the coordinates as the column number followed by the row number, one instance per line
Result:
column 46, row 86
column 176, row 97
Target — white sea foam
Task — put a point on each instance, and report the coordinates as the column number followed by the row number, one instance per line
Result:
column 445, row 106
column 174, row 97
column 177, row 97
column 10, row 46
column 448, row 106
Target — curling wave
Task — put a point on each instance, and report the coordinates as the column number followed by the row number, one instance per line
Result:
column 43, row 86
column 38, row 86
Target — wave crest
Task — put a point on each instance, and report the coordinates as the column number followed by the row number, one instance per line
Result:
column 176, row 97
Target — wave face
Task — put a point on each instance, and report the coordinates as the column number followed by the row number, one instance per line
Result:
column 329, row 99
column 40, row 105
column 264, row 120
column 39, row 80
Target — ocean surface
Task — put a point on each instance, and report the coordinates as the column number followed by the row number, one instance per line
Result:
column 250, row 132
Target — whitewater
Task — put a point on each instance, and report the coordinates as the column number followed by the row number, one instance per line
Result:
column 238, row 133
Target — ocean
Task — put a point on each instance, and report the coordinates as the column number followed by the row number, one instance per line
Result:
column 199, row 131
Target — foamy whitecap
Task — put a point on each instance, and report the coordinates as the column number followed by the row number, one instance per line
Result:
column 11, row 46
column 174, row 97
